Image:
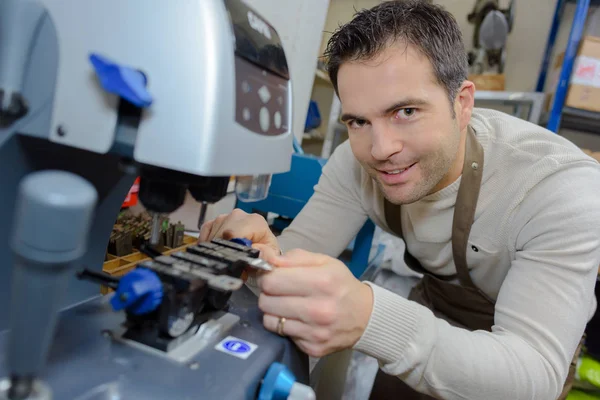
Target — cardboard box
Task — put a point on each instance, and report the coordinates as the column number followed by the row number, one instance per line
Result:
column 584, row 87
column 488, row 81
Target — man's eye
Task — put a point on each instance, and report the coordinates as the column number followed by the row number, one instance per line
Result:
column 357, row 123
column 405, row 113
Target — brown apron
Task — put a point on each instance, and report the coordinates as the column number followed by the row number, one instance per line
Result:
column 463, row 305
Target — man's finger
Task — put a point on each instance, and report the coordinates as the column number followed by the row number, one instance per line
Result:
column 267, row 253
column 301, row 258
column 216, row 227
column 205, row 230
column 299, row 281
column 291, row 307
column 291, row 327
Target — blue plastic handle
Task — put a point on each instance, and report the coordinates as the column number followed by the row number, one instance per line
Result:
column 125, row 82
column 140, row 292
column 242, row 241
column 277, row 383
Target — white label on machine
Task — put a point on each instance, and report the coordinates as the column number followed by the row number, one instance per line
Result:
column 586, row 71
column 236, row 347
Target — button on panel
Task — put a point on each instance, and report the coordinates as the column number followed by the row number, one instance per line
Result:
column 246, row 114
column 261, row 100
column 265, row 119
column 277, row 119
column 264, row 94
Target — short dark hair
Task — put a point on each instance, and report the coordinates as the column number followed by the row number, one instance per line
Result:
column 428, row 27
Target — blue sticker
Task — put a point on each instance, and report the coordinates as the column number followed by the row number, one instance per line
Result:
column 236, row 347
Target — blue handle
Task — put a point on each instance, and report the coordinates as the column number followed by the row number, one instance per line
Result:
column 242, row 241
column 140, row 292
column 125, row 82
column 277, row 383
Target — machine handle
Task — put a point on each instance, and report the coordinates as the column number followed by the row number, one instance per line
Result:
column 99, row 277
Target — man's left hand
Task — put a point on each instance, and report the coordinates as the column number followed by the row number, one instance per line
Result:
column 325, row 307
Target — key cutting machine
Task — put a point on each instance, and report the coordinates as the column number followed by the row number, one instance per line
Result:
column 94, row 93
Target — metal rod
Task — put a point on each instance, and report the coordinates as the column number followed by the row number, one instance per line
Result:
column 155, row 235
column 99, row 277
column 202, row 216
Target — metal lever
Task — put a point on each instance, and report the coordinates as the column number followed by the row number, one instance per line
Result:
column 99, row 277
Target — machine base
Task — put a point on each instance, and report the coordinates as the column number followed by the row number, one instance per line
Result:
column 89, row 359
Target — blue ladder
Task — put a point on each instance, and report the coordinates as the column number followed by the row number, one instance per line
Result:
column 557, row 108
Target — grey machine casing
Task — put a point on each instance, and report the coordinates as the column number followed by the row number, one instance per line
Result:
column 207, row 63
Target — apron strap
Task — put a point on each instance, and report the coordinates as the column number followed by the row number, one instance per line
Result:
column 466, row 204
column 464, row 214
column 394, row 221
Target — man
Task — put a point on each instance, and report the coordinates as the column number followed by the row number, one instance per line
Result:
column 501, row 216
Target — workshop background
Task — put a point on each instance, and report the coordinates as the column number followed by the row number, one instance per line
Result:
column 515, row 90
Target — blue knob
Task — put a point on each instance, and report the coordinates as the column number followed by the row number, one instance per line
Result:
column 277, row 383
column 125, row 82
column 242, row 241
column 140, row 292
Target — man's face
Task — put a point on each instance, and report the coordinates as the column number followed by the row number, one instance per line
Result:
column 400, row 123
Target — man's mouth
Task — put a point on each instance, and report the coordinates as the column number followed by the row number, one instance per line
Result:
column 396, row 176
column 396, row 171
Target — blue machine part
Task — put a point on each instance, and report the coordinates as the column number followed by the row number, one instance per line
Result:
column 313, row 116
column 140, row 292
column 277, row 383
column 242, row 241
column 125, row 82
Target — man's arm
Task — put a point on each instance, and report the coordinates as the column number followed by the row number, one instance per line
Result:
column 541, row 311
column 334, row 214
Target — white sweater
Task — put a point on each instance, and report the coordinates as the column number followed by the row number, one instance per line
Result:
column 537, row 231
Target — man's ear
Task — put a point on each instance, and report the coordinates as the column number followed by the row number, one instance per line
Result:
column 464, row 104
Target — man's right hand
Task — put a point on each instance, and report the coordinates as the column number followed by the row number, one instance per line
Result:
column 239, row 224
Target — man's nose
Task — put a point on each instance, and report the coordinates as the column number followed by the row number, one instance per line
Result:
column 386, row 143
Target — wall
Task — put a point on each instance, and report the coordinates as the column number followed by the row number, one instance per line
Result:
column 532, row 23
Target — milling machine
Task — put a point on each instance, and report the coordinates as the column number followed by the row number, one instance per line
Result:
column 94, row 93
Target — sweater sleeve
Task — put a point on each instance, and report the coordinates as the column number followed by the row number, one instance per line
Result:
column 334, row 214
column 540, row 314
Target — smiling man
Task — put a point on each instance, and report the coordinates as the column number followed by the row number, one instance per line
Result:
column 500, row 216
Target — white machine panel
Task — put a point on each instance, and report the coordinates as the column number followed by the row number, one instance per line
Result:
column 186, row 49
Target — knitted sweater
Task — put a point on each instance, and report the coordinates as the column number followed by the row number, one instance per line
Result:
column 534, row 248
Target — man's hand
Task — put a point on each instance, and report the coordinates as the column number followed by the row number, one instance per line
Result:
column 325, row 307
column 239, row 224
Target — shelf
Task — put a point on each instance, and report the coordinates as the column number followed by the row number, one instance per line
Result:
column 593, row 3
column 580, row 120
column 577, row 120
column 322, row 76
column 533, row 100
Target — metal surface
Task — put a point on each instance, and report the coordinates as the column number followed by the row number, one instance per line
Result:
column 155, row 234
column 580, row 120
column 535, row 101
column 86, row 347
column 40, row 391
column 216, row 327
